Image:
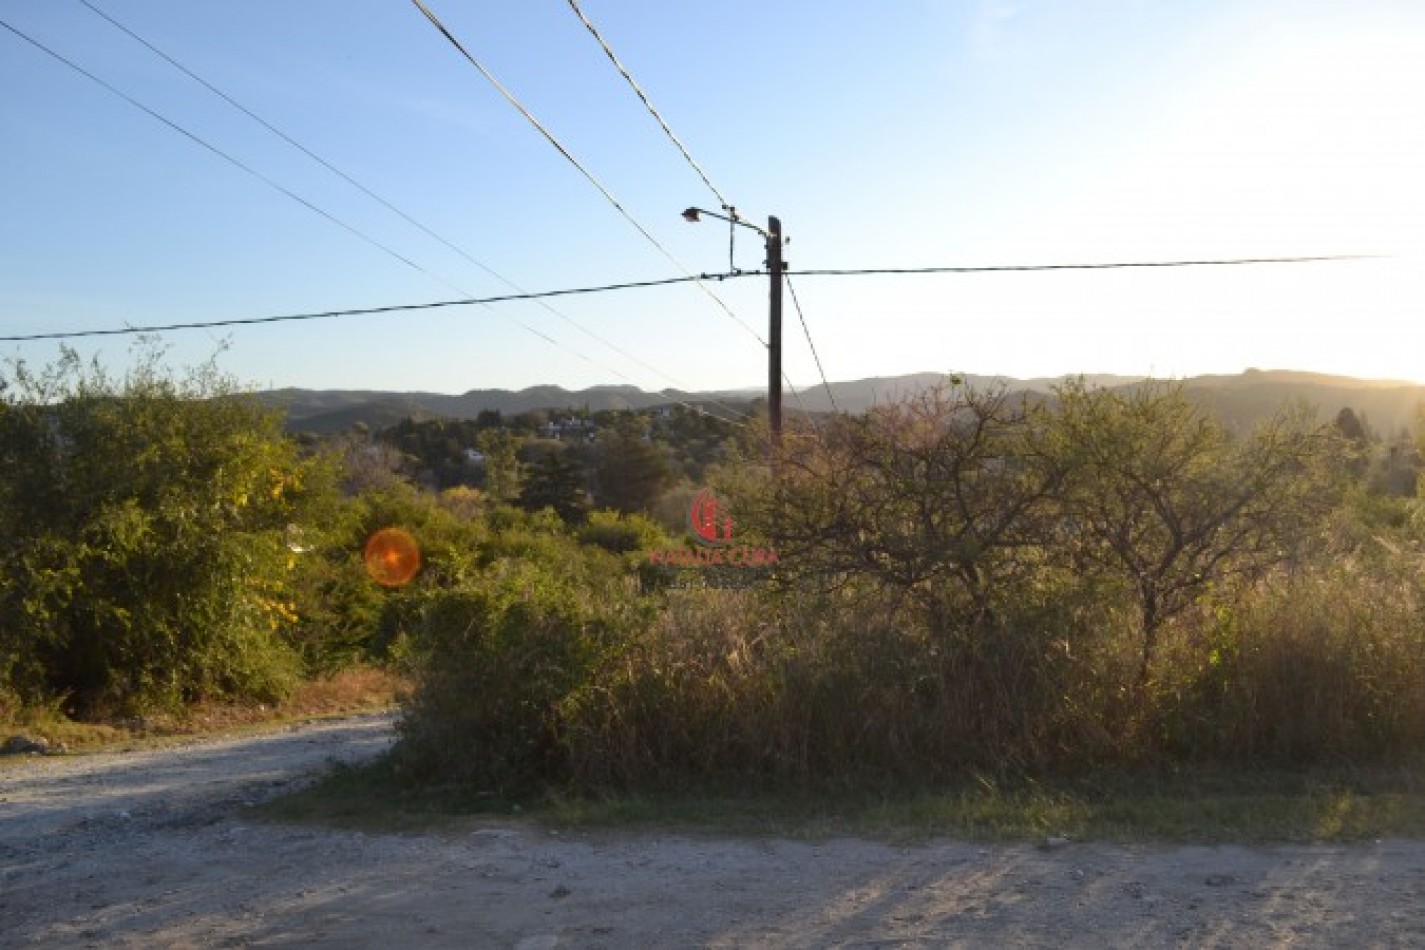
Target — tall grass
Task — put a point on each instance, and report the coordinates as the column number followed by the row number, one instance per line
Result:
column 738, row 689
column 1324, row 667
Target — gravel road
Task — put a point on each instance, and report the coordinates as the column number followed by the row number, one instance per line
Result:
column 151, row 849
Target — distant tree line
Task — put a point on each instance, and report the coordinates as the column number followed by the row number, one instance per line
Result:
column 571, row 461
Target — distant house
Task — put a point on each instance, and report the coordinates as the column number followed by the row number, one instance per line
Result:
column 572, row 428
column 474, row 458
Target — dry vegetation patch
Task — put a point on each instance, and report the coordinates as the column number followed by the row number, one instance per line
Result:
column 341, row 693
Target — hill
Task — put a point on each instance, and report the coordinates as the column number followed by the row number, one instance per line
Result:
column 1388, row 406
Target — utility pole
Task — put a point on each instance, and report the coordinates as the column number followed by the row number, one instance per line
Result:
column 774, row 330
column 776, row 267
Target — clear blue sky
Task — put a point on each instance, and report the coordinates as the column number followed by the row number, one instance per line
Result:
column 934, row 132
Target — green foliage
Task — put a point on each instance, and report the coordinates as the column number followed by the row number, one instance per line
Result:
column 556, row 481
column 1161, row 497
column 344, row 616
column 938, row 502
column 965, row 583
column 503, row 472
column 1324, row 667
column 630, row 471
column 148, row 520
column 438, row 449
column 621, row 534
column 697, row 440
column 505, row 660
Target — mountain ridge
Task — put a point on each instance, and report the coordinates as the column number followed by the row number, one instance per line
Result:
column 1243, row 398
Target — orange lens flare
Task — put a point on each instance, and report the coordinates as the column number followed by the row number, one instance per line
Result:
column 392, row 557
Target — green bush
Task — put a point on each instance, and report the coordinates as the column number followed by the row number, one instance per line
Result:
column 550, row 670
column 147, row 561
column 621, row 534
column 964, row 583
column 737, row 688
column 504, row 658
column 344, row 615
column 1322, row 667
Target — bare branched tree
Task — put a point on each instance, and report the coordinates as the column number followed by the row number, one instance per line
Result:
column 939, row 500
column 1163, row 497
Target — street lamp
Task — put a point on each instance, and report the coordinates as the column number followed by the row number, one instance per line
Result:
column 772, row 234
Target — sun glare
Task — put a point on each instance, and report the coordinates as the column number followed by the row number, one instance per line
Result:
column 392, row 557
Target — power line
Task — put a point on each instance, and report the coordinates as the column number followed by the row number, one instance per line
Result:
column 665, row 281
column 362, row 311
column 802, row 317
column 289, row 140
column 689, row 277
column 397, row 308
column 390, row 206
column 310, row 206
column 588, row 175
column 678, row 144
column 868, row 271
column 623, row 71
column 271, row 183
column 1012, row 268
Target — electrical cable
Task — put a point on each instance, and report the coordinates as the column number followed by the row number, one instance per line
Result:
column 523, row 295
column 623, row 71
column 677, row 143
column 787, row 382
column 284, row 136
column 588, row 175
column 868, row 271
column 272, row 183
column 632, row 285
column 737, row 416
column 802, row 317
column 371, row 193
column 362, row 311
column 1012, row 268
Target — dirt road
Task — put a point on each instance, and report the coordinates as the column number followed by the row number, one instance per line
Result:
column 151, row 849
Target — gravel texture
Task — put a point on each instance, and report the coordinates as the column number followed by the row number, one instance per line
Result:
column 151, row 849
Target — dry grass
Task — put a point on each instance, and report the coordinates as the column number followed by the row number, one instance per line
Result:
column 353, row 690
column 798, row 693
column 345, row 692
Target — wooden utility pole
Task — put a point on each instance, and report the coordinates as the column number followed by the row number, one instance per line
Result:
column 775, row 269
column 774, row 330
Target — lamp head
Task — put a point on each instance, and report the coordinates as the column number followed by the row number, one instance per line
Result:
column 692, row 215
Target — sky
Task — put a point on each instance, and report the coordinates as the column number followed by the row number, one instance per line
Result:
column 918, row 133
